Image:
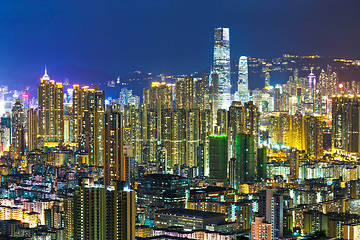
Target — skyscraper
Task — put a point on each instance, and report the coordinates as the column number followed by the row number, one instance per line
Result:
column 294, row 164
column 313, row 128
column 17, row 130
column 104, row 212
column 310, row 104
column 245, row 159
column 267, row 79
column 218, row 159
column 243, row 84
column 51, row 110
column 192, row 136
column 261, row 164
column 93, row 126
column 345, row 123
column 114, row 166
column 31, row 129
column 222, row 65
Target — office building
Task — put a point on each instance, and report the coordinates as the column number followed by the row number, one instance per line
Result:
column 222, row 65
column 243, row 81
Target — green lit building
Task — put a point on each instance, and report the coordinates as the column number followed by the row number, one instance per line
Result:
column 245, row 159
column 261, row 162
column 218, row 159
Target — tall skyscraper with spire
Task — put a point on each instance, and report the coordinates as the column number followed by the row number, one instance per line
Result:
column 51, row 110
column 243, row 83
column 222, row 65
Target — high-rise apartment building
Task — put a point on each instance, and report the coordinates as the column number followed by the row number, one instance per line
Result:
column 222, row 65
column 79, row 105
column 104, row 212
column 51, row 110
column 294, row 164
column 243, row 84
column 345, row 123
column 192, row 137
column 31, row 129
column 313, row 129
column 17, row 130
column 245, row 159
column 218, row 159
column 185, row 95
column 261, row 164
column 202, row 92
column 92, row 135
column 206, row 127
column 178, row 137
column 260, row 229
column 115, row 167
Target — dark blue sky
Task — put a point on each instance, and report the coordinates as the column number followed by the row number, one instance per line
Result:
column 118, row 37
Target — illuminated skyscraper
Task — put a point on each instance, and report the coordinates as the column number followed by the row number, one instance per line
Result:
column 202, row 92
column 166, row 133
column 137, row 132
column 205, row 132
column 243, row 84
column 92, row 135
column 345, row 123
column 222, row 65
column 314, row 136
column 267, row 79
column 31, row 129
column 115, row 167
column 252, row 122
column 68, row 218
column 178, row 137
column 104, row 212
column 152, row 135
column 214, row 98
column 79, row 101
column 161, row 96
column 261, row 164
column 245, row 159
column 17, row 130
column 192, row 137
column 185, row 97
column 294, row 164
column 236, row 125
column 310, row 104
column 51, row 110
column 222, row 122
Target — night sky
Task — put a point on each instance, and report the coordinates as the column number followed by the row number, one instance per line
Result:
column 164, row 36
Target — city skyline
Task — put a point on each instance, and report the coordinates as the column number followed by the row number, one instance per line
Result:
column 145, row 127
